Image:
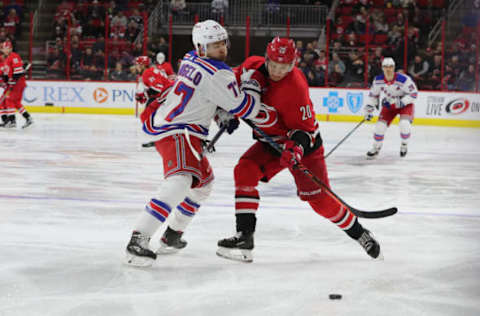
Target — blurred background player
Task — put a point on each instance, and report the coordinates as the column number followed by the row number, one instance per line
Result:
column 398, row 93
column 179, row 121
column 289, row 119
column 14, row 82
column 165, row 66
column 151, row 83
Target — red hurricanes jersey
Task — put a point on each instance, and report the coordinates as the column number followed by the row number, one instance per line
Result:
column 154, row 81
column 13, row 65
column 289, row 97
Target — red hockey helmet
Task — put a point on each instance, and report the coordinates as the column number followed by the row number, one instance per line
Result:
column 6, row 44
column 142, row 60
column 282, row 50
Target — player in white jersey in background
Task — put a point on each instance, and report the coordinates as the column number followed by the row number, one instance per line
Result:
column 179, row 120
column 397, row 93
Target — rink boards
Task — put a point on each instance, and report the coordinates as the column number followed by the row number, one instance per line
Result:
column 331, row 104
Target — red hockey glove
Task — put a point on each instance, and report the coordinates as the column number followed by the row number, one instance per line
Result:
column 140, row 97
column 147, row 113
column 291, row 154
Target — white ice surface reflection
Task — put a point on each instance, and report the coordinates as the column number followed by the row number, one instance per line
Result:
column 73, row 185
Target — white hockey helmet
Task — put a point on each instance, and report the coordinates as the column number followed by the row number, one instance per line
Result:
column 207, row 32
column 160, row 58
column 388, row 61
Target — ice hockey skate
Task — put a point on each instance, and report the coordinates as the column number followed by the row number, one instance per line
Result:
column 171, row 242
column 238, row 247
column 371, row 246
column 403, row 150
column 137, row 253
column 373, row 153
column 28, row 122
column 11, row 124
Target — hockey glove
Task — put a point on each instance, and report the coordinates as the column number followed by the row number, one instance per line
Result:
column 225, row 119
column 250, row 80
column 291, row 155
column 369, row 112
column 140, row 97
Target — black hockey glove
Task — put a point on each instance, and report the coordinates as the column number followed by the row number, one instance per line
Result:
column 225, row 119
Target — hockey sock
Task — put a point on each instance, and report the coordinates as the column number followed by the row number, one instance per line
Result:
column 11, row 118
column 404, row 126
column 380, row 129
column 356, row 230
column 334, row 212
column 246, row 222
column 4, row 118
column 184, row 214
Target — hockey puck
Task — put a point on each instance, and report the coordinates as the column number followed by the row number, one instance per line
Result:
column 335, row 296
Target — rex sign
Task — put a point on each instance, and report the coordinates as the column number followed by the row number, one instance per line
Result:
column 80, row 94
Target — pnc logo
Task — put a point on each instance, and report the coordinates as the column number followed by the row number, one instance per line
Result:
column 100, row 95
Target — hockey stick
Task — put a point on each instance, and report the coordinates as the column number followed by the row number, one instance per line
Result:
column 346, row 136
column 308, row 173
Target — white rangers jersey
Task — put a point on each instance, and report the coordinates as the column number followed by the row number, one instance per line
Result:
column 397, row 93
column 201, row 86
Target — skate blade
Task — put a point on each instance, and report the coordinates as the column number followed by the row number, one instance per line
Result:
column 136, row 261
column 380, row 257
column 164, row 249
column 243, row 255
column 27, row 125
column 371, row 157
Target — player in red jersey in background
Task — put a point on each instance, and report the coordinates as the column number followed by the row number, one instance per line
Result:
column 13, row 75
column 290, row 121
column 150, row 84
column 152, row 81
column 165, row 66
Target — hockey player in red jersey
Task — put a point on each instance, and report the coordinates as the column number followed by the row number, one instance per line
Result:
column 165, row 66
column 289, row 119
column 14, row 84
column 152, row 81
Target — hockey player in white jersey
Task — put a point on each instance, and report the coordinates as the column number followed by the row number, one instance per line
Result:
column 397, row 93
column 179, row 121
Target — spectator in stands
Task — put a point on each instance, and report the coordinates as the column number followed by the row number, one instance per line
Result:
column 56, row 64
column 219, row 8
column 418, row 70
column 159, row 45
column 358, row 25
column 132, row 74
column 118, row 25
column 3, row 35
column 99, row 43
column 350, row 41
column 178, row 7
column 380, row 26
column 76, row 28
column 132, row 32
column 137, row 50
column 88, row 67
column 355, row 69
column 2, row 13
column 318, row 76
column 336, row 77
column 95, row 19
column 466, row 80
column 137, row 19
column 362, row 6
column 118, row 74
column 75, row 58
column 12, row 22
column 336, row 61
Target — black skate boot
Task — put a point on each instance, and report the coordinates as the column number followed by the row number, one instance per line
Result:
column 11, row 122
column 138, row 253
column 28, row 122
column 371, row 246
column 171, row 242
column 4, row 120
column 240, row 246
column 373, row 153
column 403, row 150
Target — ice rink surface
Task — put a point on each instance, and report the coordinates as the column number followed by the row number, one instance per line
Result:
column 73, row 185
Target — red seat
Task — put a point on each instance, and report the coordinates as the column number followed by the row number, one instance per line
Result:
column 422, row 3
column 379, row 3
column 439, row 4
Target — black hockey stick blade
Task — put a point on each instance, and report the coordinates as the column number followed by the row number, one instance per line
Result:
column 374, row 214
column 147, row 145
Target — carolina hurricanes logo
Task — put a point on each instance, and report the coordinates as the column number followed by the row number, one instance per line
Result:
column 457, row 106
column 267, row 116
column 282, row 49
